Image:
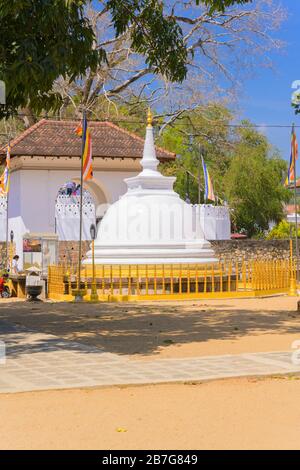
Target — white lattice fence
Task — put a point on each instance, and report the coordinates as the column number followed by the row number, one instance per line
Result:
column 214, row 221
column 67, row 217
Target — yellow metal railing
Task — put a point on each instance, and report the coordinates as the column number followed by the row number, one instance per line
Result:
column 56, row 280
column 174, row 281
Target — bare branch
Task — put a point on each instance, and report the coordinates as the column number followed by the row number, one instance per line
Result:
column 223, row 49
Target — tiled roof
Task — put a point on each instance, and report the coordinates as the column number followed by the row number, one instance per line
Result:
column 58, row 138
column 290, row 209
column 291, row 186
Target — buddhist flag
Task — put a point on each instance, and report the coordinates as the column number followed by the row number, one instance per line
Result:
column 83, row 131
column 209, row 190
column 5, row 178
column 293, row 158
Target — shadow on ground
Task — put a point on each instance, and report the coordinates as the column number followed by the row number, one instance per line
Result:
column 129, row 329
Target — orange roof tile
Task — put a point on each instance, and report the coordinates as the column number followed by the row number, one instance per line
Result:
column 58, row 138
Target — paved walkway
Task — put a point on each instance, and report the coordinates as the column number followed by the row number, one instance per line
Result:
column 36, row 361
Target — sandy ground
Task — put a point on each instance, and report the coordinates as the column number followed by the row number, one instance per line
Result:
column 231, row 414
column 168, row 329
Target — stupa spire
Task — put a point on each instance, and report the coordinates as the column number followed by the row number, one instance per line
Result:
column 149, row 117
column 149, row 160
column 150, row 224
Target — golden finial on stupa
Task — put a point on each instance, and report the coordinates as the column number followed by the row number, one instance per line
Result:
column 149, row 117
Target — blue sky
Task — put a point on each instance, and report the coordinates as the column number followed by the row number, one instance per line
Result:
column 267, row 97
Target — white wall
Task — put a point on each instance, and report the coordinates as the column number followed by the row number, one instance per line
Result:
column 33, row 194
column 214, row 221
column 15, row 224
column 2, row 219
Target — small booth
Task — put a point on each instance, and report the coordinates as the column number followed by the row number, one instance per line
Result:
column 40, row 250
column 34, row 283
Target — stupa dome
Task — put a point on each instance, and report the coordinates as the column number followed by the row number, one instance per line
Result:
column 150, row 224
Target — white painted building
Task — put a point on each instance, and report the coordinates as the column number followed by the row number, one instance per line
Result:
column 47, row 156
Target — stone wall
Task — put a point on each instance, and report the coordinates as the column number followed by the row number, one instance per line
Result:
column 249, row 249
column 226, row 249
column 68, row 252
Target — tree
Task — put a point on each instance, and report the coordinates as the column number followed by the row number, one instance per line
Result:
column 204, row 131
column 222, row 48
column 220, row 5
column 254, row 183
column 283, row 230
column 41, row 40
column 129, row 49
column 246, row 171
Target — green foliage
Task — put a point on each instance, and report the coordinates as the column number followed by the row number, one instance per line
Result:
column 221, row 5
column 211, row 138
column 132, row 116
column 253, row 183
column 244, row 169
column 283, row 230
column 153, row 35
column 259, row 235
column 41, row 40
column 10, row 128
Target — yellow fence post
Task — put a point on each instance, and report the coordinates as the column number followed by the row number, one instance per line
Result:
column 293, row 283
column 137, row 280
column 253, row 277
column 163, row 280
column 147, row 280
column 221, row 276
column 129, row 280
column 180, row 280
column 103, row 280
column 120, row 280
column 111, row 290
column 229, row 276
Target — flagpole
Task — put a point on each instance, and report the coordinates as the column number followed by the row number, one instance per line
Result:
column 199, row 176
column 79, row 296
column 7, row 254
column 296, row 215
column 7, row 199
column 204, row 195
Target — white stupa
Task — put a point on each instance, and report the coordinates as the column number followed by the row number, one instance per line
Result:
column 150, row 224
